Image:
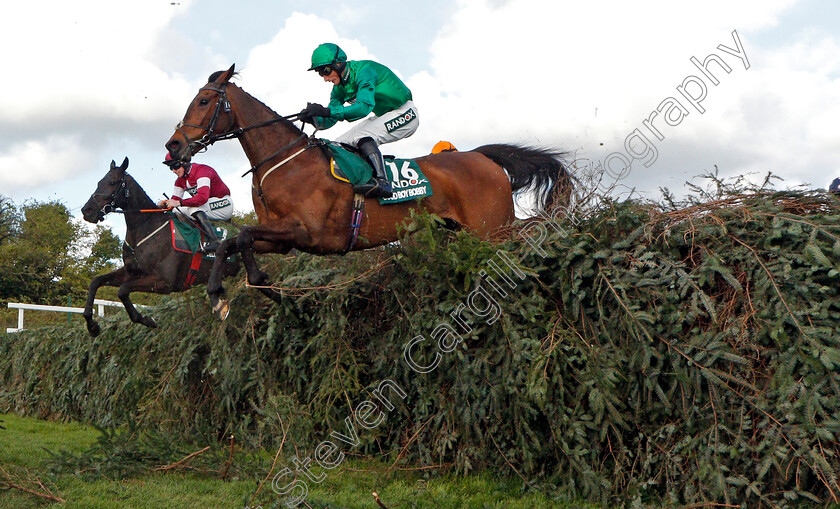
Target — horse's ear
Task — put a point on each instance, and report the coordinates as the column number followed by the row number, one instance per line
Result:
column 225, row 76
column 113, row 164
column 124, row 165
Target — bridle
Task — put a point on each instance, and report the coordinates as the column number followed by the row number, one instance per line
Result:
column 222, row 106
column 112, row 206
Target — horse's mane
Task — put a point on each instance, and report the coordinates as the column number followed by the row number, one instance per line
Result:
column 138, row 195
column 213, row 77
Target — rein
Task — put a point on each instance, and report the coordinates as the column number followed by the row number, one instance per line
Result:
column 208, row 139
column 223, row 105
column 272, row 156
column 236, row 133
column 142, row 211
column 112, row 207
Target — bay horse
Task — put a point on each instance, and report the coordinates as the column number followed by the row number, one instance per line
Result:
column 150, row 261
column 300, row 205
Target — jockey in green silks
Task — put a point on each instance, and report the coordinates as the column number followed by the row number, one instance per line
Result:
column 367, row 91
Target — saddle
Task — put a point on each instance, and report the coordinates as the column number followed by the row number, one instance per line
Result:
column 187, row 236
column 407, row 180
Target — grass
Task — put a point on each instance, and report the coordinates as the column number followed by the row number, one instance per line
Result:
column 25, row 441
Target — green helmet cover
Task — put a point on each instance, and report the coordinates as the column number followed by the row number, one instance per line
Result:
column 326, row 54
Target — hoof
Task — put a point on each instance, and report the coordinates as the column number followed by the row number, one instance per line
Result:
column 149, row 322
column 93, row 329
column 221, row 309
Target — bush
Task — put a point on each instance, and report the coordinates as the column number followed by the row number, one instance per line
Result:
column 640, row 353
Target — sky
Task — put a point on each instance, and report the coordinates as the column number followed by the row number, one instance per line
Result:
column 658, row 92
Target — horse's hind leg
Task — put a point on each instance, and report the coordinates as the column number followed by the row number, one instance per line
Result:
column 256, row 277
column 116, row 278
column 148, row 284
column 215, row 290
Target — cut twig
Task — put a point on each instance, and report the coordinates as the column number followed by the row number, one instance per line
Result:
column 33, row 492
column 230, row 459
column 508, row 462
column 379, row 502
column 273, row 464
column 304, row 290
column 182, row 461
column 409, row 443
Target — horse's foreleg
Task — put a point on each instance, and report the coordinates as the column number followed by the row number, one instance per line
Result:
column 256, row 277
column 116, row 278
column 215, row 290
column 149, row 284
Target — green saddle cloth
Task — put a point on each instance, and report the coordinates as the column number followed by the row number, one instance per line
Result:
column 407, row 180
column 186, row 236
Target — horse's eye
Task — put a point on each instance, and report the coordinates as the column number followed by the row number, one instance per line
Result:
column 112, row 183
column 204, row 102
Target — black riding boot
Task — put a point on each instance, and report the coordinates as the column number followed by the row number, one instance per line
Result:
column 211, row 240
column 380, row 187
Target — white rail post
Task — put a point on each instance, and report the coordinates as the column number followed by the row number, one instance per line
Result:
column 38, row 307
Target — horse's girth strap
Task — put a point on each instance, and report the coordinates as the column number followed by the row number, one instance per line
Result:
column 355, row 220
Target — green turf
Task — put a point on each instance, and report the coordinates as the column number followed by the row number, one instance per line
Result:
column 23, row 456
column 25, row 440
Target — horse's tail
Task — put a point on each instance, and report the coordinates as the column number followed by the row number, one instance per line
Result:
column 541, row 170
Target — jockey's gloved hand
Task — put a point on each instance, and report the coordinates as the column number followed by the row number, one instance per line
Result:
column 313, row 110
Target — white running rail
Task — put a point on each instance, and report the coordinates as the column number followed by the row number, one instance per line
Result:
column 38, row 307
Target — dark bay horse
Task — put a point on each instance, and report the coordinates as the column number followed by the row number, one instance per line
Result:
column 150, row 262
column 299, row 205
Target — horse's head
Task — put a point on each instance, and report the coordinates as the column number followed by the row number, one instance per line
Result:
column 208, row 117
column 111, row 193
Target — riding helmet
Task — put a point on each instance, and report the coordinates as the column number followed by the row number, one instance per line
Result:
column 326, row 54
column 175, row 163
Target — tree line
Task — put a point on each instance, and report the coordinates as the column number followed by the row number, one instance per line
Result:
column 46, row 255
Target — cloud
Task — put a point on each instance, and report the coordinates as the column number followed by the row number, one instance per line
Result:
column 16, row 161
column 276, row 72
column 85, row 82
column 98, row 80
column 585, row 76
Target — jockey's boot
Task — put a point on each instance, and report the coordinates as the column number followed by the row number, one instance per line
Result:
column 379, row 187
column 211, row 240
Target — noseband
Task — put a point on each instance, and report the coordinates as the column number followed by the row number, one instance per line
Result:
column 112, row 206
column 222, row 105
